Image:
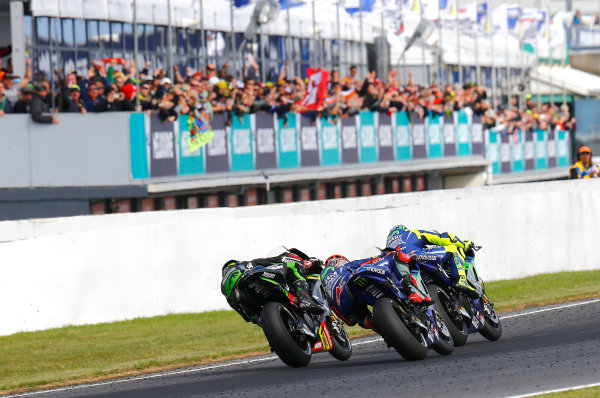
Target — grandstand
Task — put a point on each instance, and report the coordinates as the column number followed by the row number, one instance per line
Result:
column 462, row 94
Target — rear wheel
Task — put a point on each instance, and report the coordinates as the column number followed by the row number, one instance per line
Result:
column 492, row 328
column 444, row 307
column 388, row 320
column 290, row 345
column 341, row 348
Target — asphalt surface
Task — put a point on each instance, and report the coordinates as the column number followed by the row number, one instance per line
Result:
column 557, row 347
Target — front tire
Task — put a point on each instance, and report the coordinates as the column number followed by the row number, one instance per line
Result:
column 445, row 344
column 387, row 321
column 341, row 348
column 277, row 324
column 492, row 328
column 458, row 329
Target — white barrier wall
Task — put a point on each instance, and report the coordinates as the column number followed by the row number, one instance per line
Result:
column 105, row 268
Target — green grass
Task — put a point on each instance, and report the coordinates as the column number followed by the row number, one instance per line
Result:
column 78, row 354
column 592, row 392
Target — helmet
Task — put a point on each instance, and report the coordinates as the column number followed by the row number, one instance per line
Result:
column 394, row 235
column 337, row 260
column 583, row 149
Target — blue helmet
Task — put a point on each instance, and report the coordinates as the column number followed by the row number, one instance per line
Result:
column 395, row 235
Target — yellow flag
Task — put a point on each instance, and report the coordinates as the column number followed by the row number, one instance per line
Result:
column 417, row 6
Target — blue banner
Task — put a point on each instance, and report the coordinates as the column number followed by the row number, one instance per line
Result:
column 434, row 137
column 367, row 138
column 287, row 141
column 516, row 151
column 463, row 132
column 330, row 143
column 541, row 160
column 137, row 146
column 190, row 162
column 241, row 144
column 402, row 134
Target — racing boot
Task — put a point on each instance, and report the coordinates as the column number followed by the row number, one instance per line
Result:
column 305, row 300
column 463, row 285
column 415, row 296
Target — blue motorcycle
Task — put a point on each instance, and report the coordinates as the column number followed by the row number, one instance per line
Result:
column 410, row 329
column 461, row 314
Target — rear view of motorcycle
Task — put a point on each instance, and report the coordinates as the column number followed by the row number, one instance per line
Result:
column 262, row 295
column 462, row 315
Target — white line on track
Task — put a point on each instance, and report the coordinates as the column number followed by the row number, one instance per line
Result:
column 553, row 391
column 264, row 359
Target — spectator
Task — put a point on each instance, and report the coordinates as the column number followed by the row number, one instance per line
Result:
column 584, row 167
column 72, row 102
column 39, row 107
column 597, row 19
column 5, row 105
column 23, row 104
column 577, row 19
column 12, row 83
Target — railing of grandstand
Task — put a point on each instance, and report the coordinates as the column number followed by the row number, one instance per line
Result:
column 585, row 38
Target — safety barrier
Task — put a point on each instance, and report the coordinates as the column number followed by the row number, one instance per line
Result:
column 106, row 268
column 263, row 141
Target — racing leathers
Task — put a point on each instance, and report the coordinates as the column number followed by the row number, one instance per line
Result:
column 414, row 241
column 296, row 268
column 342, row 291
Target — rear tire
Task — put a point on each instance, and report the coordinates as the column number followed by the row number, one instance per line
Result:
column 458, row 331
column 275, row 321
column 492, row 328
column 395, row 333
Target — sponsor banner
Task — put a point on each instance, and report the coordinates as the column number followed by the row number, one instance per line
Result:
column 349, row 140
column 330, row 143
column 434, row 136
column 516, row 150
column 419, row 140
column 266, row 153
column 287, row 141
column 216, row 151
column 505, row 154
column 385, row 137
column 493, row 151
column 463, row 134
column 309, row 142
column 551, row 149
column 190, row 161
column 449, row 134
column 163, row 156
column 402, row 135
column 529, row 150
column 241, row 143
column 367, row 137
column 477, row 135
column 541, row 160
column 562, row 149
column 138, row 146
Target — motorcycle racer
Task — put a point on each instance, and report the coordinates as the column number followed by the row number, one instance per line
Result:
column 298, row 265
column 338, row 271
column 414, row 241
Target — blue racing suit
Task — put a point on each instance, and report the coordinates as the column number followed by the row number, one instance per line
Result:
column 414, row 241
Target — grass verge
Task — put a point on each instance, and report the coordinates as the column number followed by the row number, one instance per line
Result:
column 591, row 392
column 80, row 354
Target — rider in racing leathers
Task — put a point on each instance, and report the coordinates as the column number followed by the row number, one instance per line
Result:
column 297, row 264
column 413, row 241
column 338, row 272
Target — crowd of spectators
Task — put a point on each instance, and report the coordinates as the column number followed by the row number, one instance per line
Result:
column 110, row 85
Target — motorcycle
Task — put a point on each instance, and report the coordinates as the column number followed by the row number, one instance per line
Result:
column 462, row 315
column 410, row 329
column 293, row 333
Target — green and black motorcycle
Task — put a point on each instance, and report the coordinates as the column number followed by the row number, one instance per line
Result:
column 262, row 295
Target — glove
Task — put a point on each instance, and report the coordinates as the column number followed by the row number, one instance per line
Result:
column 469, row 248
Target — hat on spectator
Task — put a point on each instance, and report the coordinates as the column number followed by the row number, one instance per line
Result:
column 118, row 75
column 197, row 75
column 39, row 87
column 28, row 89
column 165, row 80
column 214, row 80
column 584, row 149
column 128, row 90
column 528, row 96
column 74, row 87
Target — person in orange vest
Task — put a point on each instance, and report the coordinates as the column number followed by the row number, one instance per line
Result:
column 584, row 167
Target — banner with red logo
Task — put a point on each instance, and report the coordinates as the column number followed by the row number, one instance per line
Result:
column 316, row 88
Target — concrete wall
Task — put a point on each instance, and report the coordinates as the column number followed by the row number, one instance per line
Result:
column 106, row 268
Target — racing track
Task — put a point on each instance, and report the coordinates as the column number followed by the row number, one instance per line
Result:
column 540, row 350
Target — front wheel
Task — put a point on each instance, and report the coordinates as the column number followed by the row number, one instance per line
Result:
column 492, row 328
column 341, row 348
column 279, row 326
column 387, row 318
column 445, row 344
column 444, row 307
